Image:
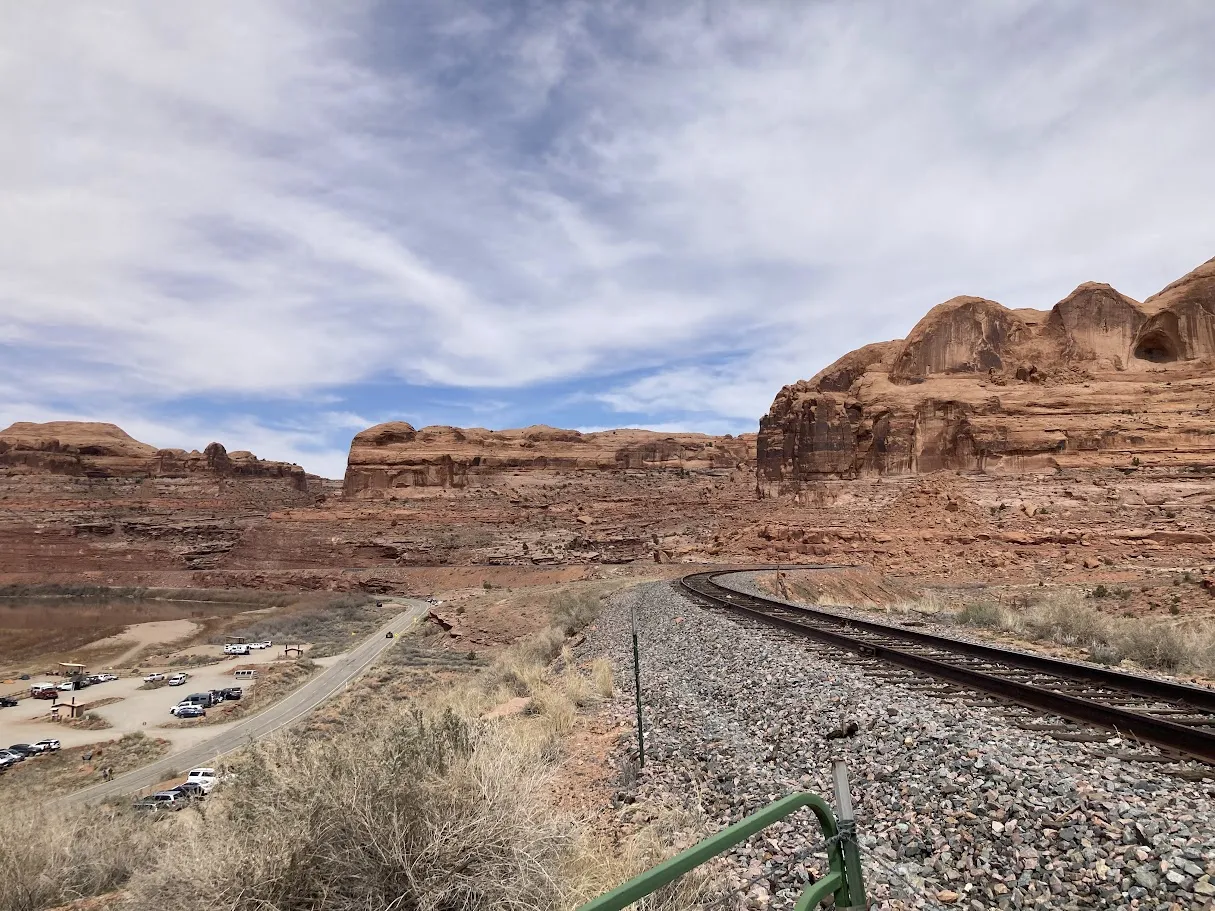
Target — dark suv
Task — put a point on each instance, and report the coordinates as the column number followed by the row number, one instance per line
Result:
column 7, row 702
column 233, row 692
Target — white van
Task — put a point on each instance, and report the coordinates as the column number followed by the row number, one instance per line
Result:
column 245, row 674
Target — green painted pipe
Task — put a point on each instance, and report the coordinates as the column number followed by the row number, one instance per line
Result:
column 836, row 882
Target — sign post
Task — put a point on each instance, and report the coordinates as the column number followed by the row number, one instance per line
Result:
column 637, row 685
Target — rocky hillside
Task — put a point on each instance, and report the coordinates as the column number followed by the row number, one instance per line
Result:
column 1099, row 380
column 94, row 450
column 394, row 456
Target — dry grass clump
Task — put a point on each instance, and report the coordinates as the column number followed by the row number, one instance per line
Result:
column 602, row 678
column 596, row 868
column 405, row 812
column 1067, row 619
column 50, row 857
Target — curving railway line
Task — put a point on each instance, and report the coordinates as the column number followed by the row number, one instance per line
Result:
column 1176, row 717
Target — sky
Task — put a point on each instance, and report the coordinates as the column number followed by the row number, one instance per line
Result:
column 273, row 224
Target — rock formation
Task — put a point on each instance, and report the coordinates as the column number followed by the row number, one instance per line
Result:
column 1100, row 380
column 95, row 450
column 394, row 456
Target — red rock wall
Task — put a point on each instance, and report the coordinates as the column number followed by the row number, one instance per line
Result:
column 1099, row 380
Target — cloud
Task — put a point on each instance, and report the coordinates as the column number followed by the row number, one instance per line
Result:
column 668, row 211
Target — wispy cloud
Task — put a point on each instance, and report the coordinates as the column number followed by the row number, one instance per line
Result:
column 669, row 211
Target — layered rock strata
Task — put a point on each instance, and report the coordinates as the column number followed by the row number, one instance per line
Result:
column 1100, row 380
column 95, row 450
column 394, row 457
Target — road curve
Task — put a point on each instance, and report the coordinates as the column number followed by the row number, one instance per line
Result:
column 291, row 709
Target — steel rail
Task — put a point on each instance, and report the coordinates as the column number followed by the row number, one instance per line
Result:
column 908, row 648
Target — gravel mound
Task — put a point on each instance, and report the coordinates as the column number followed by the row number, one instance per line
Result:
column 956, row 806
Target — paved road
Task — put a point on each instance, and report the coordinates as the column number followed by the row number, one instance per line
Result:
column 290, row 710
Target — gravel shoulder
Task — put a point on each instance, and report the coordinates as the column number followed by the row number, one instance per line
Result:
column 957, row 806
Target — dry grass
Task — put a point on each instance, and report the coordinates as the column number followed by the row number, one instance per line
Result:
column 603, row 678
column 595, row 868
column 47, row 776
column 406, row 811
column 1067, row 618
column 50, row 857
column 330, row 623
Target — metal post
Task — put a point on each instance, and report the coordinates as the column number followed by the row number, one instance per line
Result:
column 847, row 829
column 637, row 686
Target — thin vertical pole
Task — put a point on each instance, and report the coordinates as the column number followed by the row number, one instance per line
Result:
column 847, row 834
column 637, row 686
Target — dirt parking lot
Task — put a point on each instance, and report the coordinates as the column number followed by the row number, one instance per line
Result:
column 143, row 710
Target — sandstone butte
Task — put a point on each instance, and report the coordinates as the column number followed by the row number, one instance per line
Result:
column 1098, row 381
column 96, row 450
column 394, row 457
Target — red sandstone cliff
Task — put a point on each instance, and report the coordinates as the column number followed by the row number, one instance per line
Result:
column 394, row 455
column 1099, row 380
column 95, row 450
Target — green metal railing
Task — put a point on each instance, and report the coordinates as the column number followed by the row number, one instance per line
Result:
column 844, row 880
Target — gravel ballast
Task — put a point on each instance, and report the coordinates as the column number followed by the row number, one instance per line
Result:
column 956, row 805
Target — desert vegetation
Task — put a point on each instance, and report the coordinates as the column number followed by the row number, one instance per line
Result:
column 328, row 622
column 67, row 770
column 416, row 803
column 1068, row 618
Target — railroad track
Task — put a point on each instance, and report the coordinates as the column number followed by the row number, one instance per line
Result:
column 1175, row 717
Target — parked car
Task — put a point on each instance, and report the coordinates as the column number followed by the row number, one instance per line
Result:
column 191, row 789
column 204, row 778
column 50, row 745
column 44, row 691
column 11, row 756
column 233, row 692
column 106, row 678
column 217, row 696
column 25, row 749
column 161, row 800
column 236, row 648
column 67, row 686
column 153, row 678
column 7, row 702
column 7, row 761
column 177, row 680
column 188, row 710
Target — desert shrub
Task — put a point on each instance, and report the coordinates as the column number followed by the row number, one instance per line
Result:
column 50, row 857
column 981, row 613
column 1153, row 645
column 572, row 611
column 1104, row 653
column 1065, row 618
column 409, row 812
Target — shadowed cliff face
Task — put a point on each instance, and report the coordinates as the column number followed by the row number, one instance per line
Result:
column 1099, row 380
